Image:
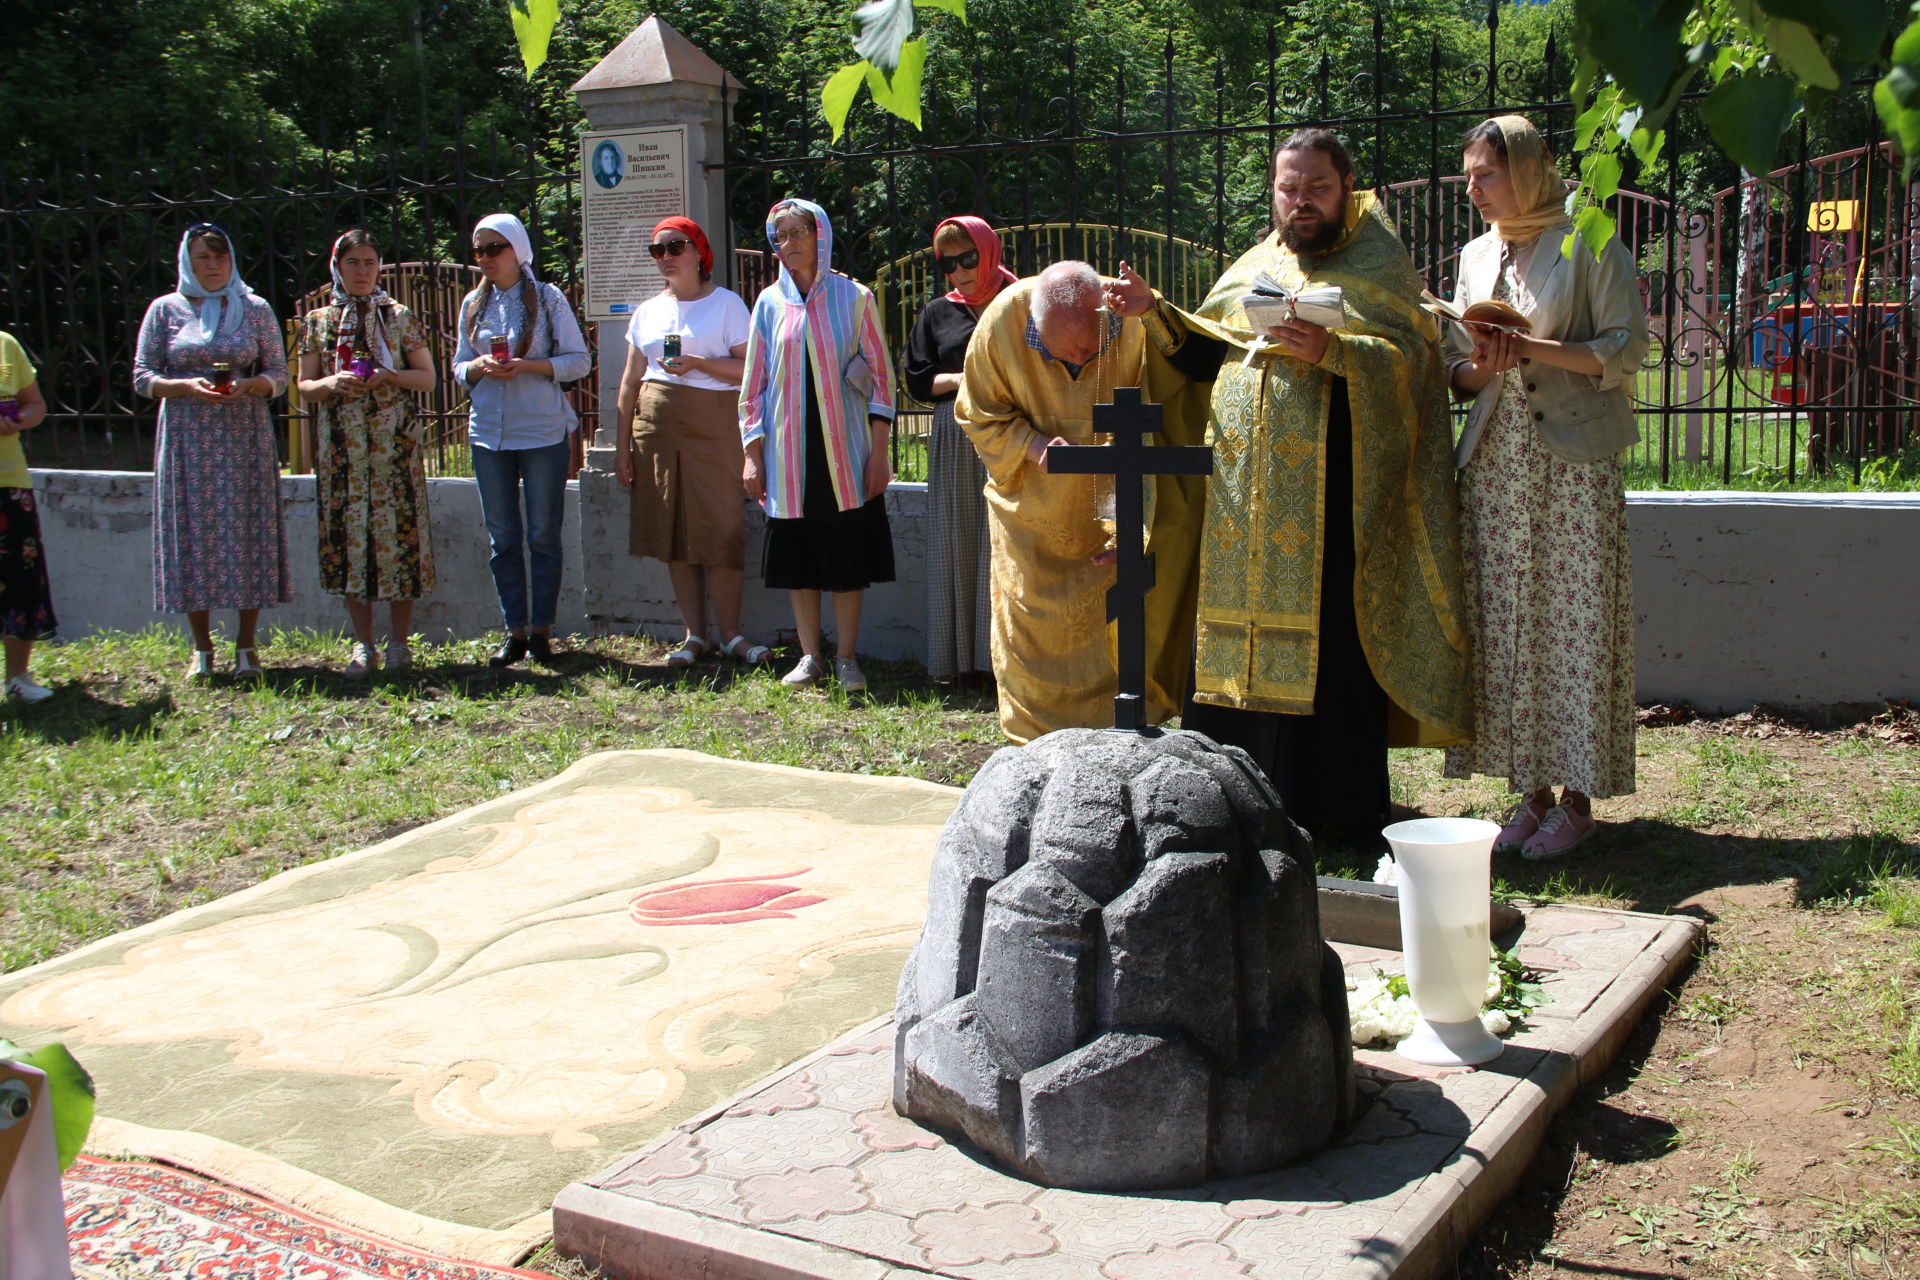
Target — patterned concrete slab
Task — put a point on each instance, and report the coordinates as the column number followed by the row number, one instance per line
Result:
column 810, row 1174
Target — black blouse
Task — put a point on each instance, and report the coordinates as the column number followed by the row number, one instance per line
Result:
column 938, row 345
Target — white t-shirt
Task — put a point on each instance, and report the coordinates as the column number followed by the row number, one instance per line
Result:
column 711, row 326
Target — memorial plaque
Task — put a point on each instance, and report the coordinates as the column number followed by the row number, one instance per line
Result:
column 629, row 180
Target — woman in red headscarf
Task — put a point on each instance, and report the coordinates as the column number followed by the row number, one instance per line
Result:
column 680, row 440
column 967, row 253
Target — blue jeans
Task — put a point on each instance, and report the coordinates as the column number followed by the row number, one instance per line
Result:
column 504, row 475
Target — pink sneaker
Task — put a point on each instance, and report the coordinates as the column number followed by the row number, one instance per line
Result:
column 1518, row 827
column 1560, row 832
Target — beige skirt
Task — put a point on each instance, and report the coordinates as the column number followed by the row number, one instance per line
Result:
column 687, row 498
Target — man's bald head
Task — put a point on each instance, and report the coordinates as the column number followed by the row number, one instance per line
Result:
column 1066, row 311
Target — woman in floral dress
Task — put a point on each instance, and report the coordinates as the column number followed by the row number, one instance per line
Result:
column 368, row 469
column 1543, row 511
column 211, row 353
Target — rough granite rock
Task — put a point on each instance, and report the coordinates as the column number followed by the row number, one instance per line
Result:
column 1121, row 983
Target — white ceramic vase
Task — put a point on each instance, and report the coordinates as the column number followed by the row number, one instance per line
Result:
column 1444, row 894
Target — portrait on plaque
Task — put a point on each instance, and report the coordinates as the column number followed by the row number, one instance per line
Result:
column 629, row 180
column 609, row 164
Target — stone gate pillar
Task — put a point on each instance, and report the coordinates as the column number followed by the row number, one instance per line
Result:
column 654, row 77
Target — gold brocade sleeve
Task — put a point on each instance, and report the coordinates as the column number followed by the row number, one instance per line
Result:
column 1173, row 535
column 987, row 408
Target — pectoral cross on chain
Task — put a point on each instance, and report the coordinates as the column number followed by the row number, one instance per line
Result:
column 1129, row 460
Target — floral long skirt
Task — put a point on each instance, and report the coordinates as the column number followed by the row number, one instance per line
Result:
column 1549, row 576
column 26, row 597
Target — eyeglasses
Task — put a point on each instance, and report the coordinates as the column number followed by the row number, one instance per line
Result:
column 793, row 235
column 490, row 250
column 950, row 263
column 665, row 247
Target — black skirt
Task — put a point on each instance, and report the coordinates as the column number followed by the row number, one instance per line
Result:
column 825, row 548
column 26, row 600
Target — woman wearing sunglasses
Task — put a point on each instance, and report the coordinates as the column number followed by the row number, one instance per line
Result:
column 679, row 412
column 518, row 342
column 211, row 353
column 967, row 253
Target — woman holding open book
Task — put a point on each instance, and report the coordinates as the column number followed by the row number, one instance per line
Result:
column 1543, row 517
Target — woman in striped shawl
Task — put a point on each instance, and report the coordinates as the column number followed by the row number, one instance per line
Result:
column 816, row 414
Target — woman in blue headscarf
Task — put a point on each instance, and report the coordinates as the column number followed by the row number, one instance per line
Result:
column 211, row 353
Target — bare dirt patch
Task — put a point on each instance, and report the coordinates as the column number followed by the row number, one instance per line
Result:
column 1763, row 1122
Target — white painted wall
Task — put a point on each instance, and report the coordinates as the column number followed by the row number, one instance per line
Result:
column 1794, row 599
column 1804, row 599
column 98, row 527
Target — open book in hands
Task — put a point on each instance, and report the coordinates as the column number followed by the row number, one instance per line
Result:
column 1272, row 303
column 1490, row 313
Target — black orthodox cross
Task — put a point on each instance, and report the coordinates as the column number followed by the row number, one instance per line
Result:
column 1129, row 460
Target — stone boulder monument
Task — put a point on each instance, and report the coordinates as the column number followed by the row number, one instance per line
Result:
column 1121, row 983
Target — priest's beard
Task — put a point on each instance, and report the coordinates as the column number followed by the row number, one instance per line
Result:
column 1318, row 242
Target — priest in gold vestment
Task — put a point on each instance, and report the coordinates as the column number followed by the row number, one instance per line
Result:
column 1046, row 350
column 1331, row 612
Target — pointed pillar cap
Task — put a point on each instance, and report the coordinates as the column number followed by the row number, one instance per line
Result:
column 655, row 54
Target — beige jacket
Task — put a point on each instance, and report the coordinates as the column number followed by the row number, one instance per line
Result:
column 1577, row 299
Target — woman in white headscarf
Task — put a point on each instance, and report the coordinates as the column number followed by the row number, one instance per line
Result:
column 1543, row 511
column 518, row 342
column 211, row 353
column 370, row 479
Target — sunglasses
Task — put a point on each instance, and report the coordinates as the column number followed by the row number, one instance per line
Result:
column 493, row 250
column 665, row 247
column 950, row 263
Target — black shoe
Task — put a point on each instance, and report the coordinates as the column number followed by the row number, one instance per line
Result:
column 511, row 650
column 540, row 645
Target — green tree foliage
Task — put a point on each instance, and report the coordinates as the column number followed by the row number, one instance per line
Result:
column 1763, row 65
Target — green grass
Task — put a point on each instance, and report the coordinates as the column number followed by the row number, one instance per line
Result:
column 1760, row 435
column 133, row 792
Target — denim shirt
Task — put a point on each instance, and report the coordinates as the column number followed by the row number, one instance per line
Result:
column 530, row 411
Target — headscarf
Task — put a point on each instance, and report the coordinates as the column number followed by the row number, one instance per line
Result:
column 1536, row 183
column 993, row 276
column 693, row 233
column 212, row 318
column 372, row 308
column 514, row 232
column 822, row 244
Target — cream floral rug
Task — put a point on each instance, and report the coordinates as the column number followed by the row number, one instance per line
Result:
column 428, row 1039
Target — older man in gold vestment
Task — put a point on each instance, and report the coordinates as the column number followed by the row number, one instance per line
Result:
column 1331, row 617
column 1046, row 350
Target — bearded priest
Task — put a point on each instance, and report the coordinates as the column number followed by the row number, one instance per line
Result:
column 1331, row 616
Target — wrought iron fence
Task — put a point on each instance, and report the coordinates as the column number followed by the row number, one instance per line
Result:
column 1788, row 358
column 1783, row 306
column 87, row 246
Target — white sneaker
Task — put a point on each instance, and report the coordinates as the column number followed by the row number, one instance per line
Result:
column 201, row 668
column 847, row 671
column 246, row 664
column 399, row 656
column 23, row 687
column 805, row 672
column 362, row 662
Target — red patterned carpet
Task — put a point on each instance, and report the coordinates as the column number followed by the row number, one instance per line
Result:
column 152, row 1222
